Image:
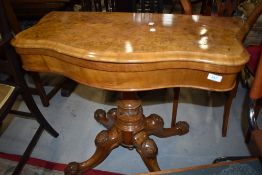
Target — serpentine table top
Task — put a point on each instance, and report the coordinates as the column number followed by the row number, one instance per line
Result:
column 136, row 51
column 129, row 52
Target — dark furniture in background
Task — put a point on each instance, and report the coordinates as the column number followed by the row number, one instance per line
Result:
column 20, row 10
column 125, row 5
column 35, row 9
column 10, row 65
column 219, row 7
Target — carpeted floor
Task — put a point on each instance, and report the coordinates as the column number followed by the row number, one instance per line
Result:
column 73, row 119
column 34, row 166
column 7, row 167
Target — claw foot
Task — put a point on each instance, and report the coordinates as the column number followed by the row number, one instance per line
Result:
column 100, row 115
column 149, row 148
column 72, row 169
column 182, row 127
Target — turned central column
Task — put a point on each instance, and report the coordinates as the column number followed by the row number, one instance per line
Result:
column 127, row 126
column 130, row 118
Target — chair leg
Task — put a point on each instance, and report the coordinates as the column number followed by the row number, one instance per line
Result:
column 27, row 97
column 230, row 96
column 66, row 85
column 7, row 106
column 40, row 88
column 175, row 104
column 28, row 151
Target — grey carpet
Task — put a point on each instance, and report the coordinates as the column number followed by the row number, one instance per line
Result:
column 73, row 119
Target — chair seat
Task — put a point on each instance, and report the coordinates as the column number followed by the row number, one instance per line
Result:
column 5, row 92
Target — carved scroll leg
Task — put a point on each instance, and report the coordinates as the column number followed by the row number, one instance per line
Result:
column 105, row 142
column 107, row 120
column 147, row 149
column 155, row 126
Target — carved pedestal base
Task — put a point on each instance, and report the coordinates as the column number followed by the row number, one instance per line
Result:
column 127, row 126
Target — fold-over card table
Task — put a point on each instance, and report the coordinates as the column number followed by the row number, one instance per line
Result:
column 130, row 52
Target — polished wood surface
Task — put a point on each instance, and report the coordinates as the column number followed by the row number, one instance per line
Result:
column 127, row 126
column 139, row 48
column 131, row 52
column 201, row 168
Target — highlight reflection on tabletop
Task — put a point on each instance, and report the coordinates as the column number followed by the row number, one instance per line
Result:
column 130, row 52
column 131, row 37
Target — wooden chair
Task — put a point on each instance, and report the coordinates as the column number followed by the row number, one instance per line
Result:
column 254, row 133
column 248, row 74
column 14, row 24
column 230, row 94
column 219, row 7
column 11, row 66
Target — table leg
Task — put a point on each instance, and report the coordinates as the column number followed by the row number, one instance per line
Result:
column 105, row 142
column 147, row 149
column 127, row 126
column 68, row 87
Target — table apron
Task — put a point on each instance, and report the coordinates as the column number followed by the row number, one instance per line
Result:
column 129, row 81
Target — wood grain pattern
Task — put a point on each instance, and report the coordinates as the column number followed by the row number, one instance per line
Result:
column 133, row 51
column 199, row 167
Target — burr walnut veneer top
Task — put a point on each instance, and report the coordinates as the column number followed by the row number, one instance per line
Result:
column 133, row 42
